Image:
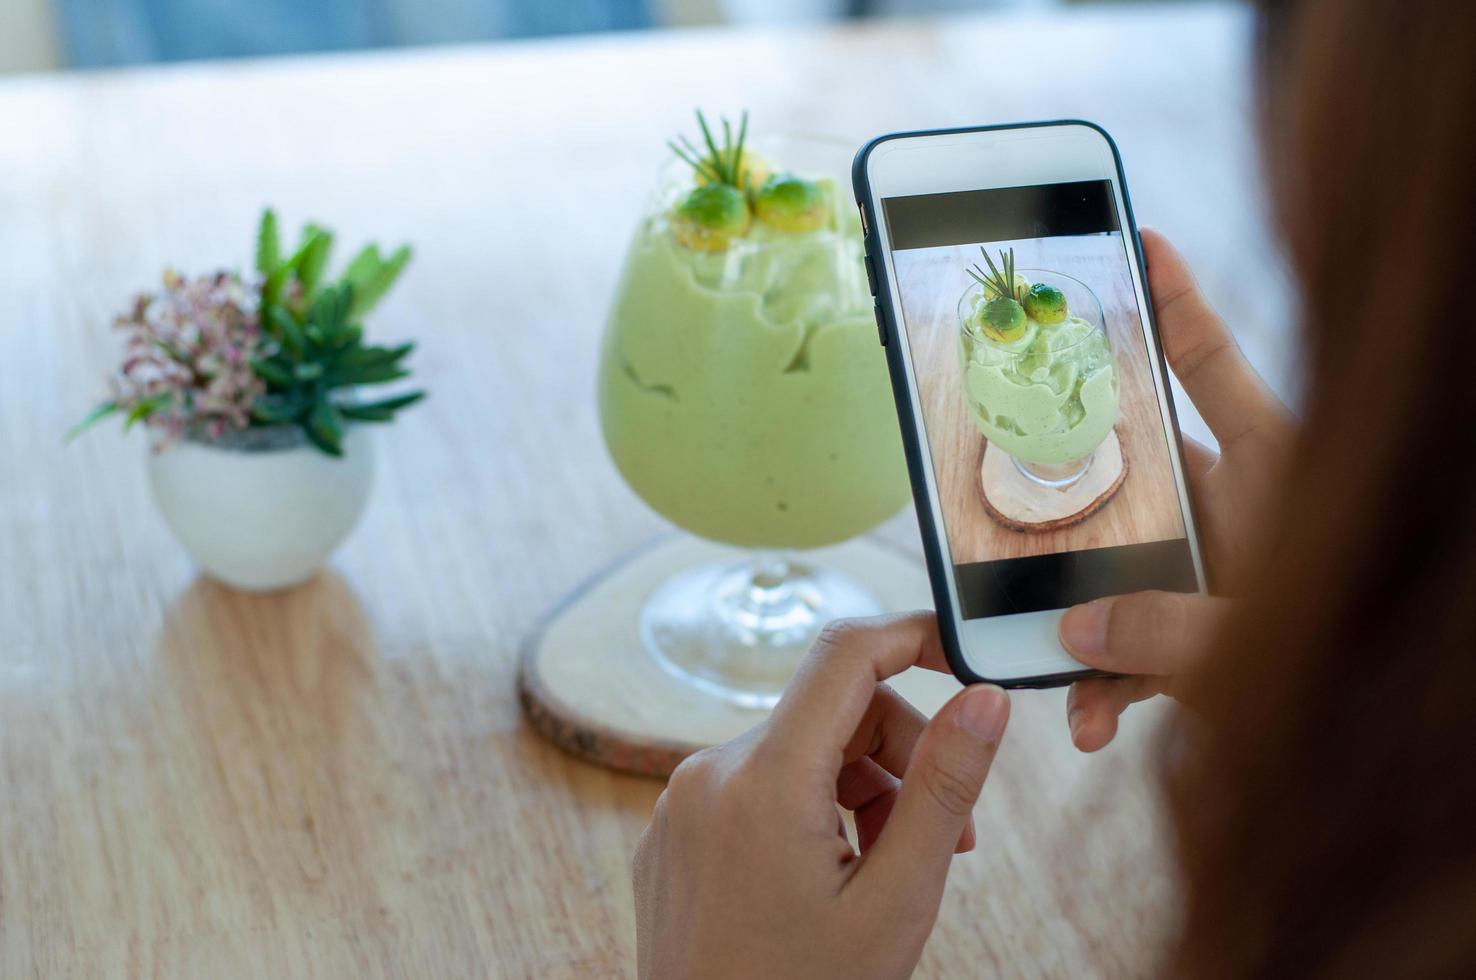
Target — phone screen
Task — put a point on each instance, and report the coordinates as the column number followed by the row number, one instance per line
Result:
column 1050, row 445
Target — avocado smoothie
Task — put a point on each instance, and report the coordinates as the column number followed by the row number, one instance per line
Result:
column 1040, row 380
column 744, row 397
column 742, row 391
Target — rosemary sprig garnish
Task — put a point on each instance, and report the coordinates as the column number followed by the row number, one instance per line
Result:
column 718, row 165
column 1002, row 282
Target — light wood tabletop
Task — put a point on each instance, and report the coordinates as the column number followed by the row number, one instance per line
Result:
column 335, row 781
column 1145, row 509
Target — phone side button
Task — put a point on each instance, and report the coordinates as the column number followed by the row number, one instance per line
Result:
column 871, row 273
column 881, row 324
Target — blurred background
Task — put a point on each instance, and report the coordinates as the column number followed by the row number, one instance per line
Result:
column 41, row 35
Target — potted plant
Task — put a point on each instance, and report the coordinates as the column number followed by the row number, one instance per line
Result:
column 262, row 460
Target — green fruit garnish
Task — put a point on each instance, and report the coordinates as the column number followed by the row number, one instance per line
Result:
column 791, row 203
column 724, row 164
column 998, row 282
column 1022, row 287
column 1045, row 304
column 710, row 217
column 1003, row 320
column 750, row 172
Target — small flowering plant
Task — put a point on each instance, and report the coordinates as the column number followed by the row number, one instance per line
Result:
column 208, row 356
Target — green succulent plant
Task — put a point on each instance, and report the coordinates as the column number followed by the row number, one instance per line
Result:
column 315, row 356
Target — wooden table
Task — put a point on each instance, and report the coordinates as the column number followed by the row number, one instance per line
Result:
column 335, row 781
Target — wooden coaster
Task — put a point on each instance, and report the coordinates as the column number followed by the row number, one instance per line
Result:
column 587, row 683
column 1019, row 503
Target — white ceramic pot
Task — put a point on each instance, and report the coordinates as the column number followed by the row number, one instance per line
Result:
column 263, row 518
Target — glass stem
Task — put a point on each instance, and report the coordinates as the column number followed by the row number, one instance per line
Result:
column 769, row 582
column 737, row 629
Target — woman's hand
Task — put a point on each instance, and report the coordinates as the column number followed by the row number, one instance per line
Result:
column 746, row 871
column 1155, row 636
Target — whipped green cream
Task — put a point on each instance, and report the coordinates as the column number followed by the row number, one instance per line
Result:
column 1049, row 397
column 743, row 394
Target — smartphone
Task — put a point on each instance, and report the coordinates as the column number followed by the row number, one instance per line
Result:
column 1041, row 439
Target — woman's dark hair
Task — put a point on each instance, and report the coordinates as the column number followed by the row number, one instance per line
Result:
column 1325, row 798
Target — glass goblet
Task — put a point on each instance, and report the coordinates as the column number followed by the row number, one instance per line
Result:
column 743, row 396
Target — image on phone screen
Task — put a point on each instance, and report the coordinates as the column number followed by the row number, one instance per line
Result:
column 1048, row 439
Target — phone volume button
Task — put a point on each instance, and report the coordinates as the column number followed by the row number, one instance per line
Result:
column 881, row 324
column 871, row 273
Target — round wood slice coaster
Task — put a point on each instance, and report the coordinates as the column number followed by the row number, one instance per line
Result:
column 587, row 683
column 1019, row 503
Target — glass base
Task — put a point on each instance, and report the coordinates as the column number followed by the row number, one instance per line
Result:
column 1056, row 476
column 738, row 631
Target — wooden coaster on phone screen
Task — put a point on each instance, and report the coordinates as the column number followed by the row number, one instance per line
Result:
column 588, row 684
column 1019, row 503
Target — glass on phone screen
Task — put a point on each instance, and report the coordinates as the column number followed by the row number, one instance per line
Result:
column 1049, row 445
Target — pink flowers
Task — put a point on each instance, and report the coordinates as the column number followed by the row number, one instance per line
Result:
column 208, row 358
column 187, row 357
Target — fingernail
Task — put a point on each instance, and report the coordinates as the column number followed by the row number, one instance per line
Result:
column 1074, row 718
column 1084, row 628
column 983, row 712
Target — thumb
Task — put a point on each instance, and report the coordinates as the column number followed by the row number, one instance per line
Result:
column 1144, row 633
column 938, row 793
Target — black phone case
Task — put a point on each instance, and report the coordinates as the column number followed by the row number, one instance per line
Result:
column 888, row 326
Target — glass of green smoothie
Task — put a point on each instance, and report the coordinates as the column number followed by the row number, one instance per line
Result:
column 1038, row 369
column 743, row 395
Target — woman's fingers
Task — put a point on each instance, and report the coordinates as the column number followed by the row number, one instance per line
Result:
column 1145, row 633
column 837, row 681
column 1199, row 459
column 1093, row 706
column 870, row 792
column 1230, row 396
column 876, row 758
column 887, row 731
column 937, row 797
column 836, row 713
